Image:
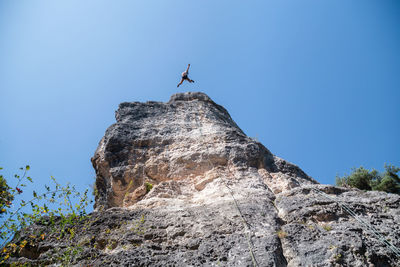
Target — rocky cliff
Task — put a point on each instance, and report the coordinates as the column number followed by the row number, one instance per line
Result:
column 180, row 184
column 180, row 147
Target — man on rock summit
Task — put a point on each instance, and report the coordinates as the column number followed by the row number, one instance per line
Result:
column 185, row 76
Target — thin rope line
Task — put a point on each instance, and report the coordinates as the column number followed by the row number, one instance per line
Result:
column 246, row 224
column 367, row 225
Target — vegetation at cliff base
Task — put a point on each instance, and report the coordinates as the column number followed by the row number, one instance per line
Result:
column 6, row 197
column 361, row 178
column 19, row 209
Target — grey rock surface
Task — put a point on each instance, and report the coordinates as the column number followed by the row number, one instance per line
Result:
column 189, row 138
column 218, row 198
column 320, row 232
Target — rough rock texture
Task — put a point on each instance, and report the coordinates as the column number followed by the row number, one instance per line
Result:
column 218, row 198
column 319, row 231
column 190, row 139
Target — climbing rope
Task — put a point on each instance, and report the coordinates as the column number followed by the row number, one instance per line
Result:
column 367, row 225
column 246, row 224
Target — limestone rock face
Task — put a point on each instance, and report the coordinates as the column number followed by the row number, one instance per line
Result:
column 180, row 147
column 179, row 184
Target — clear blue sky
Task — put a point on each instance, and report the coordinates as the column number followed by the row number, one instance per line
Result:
column 317, row 82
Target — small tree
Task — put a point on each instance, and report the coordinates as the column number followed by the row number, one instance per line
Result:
column 361, row 178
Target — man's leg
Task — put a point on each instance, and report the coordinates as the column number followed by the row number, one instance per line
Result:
column 191, row 81
column 180, row 82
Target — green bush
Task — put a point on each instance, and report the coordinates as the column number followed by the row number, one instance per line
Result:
column 149, row 186
column 390, row 181
column 387, row 181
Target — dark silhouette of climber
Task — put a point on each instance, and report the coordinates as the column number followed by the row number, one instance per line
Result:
column 185, row 76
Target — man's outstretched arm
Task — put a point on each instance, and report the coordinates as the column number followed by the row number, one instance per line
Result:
column 187, row 70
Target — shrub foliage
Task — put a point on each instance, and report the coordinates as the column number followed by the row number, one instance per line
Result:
column 18, row 210
column 387, row 181
column 6, row 197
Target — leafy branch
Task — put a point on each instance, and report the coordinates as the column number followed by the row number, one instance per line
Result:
column 61, row 197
